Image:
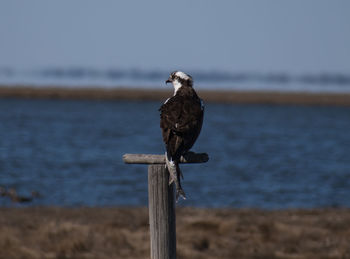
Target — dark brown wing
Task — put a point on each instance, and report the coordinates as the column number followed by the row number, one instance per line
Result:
column 181, row 120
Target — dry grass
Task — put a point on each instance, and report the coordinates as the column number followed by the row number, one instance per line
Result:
column 254, row 97
column 201, row 233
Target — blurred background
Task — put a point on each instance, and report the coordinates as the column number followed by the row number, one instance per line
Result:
column 261, row 156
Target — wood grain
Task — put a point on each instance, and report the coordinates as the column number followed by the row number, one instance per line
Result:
column 189, row 157
column 161, row 213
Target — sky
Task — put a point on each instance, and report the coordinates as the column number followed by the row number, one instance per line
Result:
column 298, row 36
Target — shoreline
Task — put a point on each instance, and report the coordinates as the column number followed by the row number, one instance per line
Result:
column 210, row 96
column 113, row 232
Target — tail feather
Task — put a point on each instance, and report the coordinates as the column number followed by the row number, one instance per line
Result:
column 179, row 172
column 179, row 190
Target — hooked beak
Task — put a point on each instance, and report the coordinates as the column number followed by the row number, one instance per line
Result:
column 168, row 80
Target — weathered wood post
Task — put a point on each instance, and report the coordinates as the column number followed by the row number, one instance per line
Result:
column 161, row 201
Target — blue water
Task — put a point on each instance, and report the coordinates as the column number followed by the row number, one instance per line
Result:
column 260, row 156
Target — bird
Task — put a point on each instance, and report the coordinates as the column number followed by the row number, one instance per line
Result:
column 181, row 119
column 2, row 191
column 12, row 194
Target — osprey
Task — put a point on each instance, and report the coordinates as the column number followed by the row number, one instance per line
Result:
column 181, row 118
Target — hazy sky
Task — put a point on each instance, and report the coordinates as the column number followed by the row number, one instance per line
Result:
column 272, row 35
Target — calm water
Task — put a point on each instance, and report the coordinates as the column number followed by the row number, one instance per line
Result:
column 260, row 156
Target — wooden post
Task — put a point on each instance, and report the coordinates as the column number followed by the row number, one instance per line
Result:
column 161, row 213
column 161, row 201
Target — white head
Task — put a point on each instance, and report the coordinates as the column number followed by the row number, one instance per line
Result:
column 179, row 79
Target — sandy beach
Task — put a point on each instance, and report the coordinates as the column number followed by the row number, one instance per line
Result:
column 201, row 233
column 219, row 96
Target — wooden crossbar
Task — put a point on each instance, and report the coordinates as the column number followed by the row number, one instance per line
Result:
column 161, row 201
